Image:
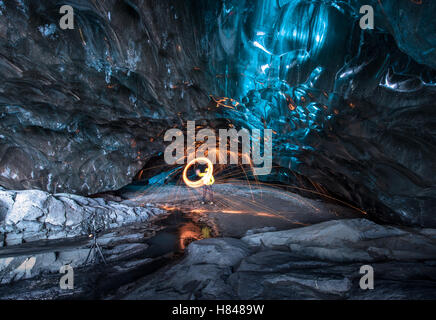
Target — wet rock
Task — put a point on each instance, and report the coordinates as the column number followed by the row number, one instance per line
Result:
column 262, row 262
column 203, row 281
column 260, row 230
column 26, row 267
column 34, row 215
column 13, row 238
column 289, row 286
column 124, row 251
column 207, row 264
column 122, row 248
column 222, row 252
column 56, row 212
column 27, row 205
column 6, row 203
column 347, row 241
column 322, row 261
column 111, row 239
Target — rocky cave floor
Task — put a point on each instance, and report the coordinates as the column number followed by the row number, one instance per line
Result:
column 252, row 242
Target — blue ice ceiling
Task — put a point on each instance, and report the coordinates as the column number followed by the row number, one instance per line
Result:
column 351, row 109
column 288, row 64
column 281, row 59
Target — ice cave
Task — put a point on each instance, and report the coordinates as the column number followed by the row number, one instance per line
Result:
column 343, row 118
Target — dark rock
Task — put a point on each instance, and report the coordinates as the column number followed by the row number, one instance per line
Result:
column 322, row 261
column 207, row 264
column 222, row 252
column 349, row 241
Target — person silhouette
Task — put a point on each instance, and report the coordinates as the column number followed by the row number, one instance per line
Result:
column 207, row 188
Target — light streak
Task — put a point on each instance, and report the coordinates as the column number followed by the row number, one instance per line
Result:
column 205, row 179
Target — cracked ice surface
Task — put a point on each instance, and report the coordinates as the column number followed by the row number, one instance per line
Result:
column 34, row 215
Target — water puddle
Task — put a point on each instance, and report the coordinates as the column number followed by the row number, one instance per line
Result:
column 178, row 231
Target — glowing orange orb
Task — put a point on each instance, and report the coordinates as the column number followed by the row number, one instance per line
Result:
column 205, row 179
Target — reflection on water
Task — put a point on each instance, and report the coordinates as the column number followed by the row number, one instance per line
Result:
column 178, row 232
column 189, row 232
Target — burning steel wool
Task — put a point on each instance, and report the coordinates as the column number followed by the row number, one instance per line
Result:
column 206, row 177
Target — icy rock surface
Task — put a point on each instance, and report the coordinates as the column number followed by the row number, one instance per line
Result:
column 19, row 268
column 32, row 215
column 321, row 261
column 82, row 110
column 124, row 246
column 349, row 241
